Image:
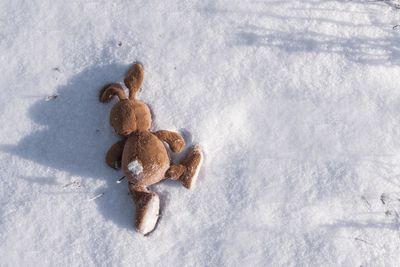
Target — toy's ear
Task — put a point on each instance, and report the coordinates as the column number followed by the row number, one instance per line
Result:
column 111, row 90
column 133, row 79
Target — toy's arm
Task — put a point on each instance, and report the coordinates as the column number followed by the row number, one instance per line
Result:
column 174, row 140
column 114, row 154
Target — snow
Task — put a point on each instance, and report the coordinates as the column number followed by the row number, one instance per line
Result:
column 135, row 167
column 296, row 104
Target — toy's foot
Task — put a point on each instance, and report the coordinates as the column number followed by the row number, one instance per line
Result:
column 192, row 163
column 147, row 213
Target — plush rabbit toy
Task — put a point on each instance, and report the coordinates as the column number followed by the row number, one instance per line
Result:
column 141, row 153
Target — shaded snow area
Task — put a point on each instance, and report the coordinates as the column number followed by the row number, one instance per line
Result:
column 296, row 105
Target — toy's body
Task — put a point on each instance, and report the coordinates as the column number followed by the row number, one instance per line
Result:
column 142, row 154
column 154, row 162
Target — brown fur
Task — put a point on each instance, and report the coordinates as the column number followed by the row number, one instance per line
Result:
column 110, row 90
column 133, row 79
column 114, row 155
column 131, row 119
column 174, row 140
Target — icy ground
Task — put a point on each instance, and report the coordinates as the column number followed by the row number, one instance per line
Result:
column 296, row 104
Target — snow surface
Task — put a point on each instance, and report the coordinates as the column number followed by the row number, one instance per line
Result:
column 296, row 104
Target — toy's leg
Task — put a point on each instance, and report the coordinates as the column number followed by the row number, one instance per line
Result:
column 175, row 172
column 192, row 162
column 147, row 208
column 114, row 154
column 174, row 140
column 188, row 170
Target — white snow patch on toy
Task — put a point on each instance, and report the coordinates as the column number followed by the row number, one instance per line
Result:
column 135, row 167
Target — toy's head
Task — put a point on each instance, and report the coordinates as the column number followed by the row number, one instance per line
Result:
column 129, row 114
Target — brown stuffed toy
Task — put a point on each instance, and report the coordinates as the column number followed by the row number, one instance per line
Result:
column 142, row 154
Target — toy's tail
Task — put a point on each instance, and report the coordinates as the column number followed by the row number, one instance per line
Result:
column 133, row 79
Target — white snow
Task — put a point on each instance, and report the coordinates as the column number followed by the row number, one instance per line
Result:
column 96, row 197
column 296, row 104
column 150, row 218
column 135, row 167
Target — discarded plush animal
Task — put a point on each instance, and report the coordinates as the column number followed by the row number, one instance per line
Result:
column 141, row 153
